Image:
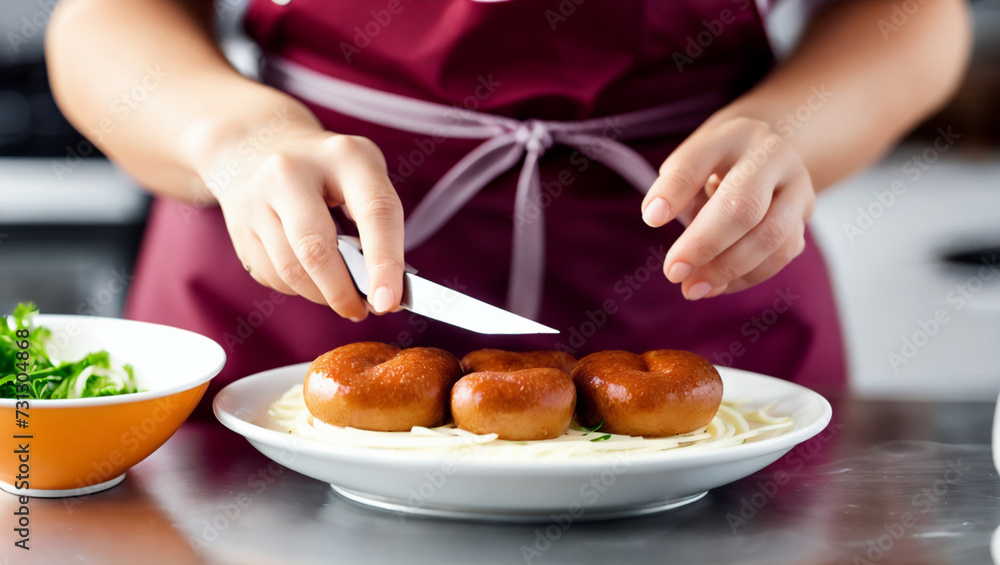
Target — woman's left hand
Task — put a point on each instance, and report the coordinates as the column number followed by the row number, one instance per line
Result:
column 745, row 194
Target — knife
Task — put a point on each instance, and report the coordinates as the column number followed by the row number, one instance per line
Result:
column 439, row 302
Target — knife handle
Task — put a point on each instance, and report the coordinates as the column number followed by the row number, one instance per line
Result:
column 350, row 250
column 355, row 242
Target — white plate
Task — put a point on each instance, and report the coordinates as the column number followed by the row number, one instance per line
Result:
column 448, row 485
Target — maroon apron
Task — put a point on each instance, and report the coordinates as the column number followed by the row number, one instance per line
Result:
column 604, row 287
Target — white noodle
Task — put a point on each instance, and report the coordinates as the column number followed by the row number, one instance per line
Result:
column 732, row 425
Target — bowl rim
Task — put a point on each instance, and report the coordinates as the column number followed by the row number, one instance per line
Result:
column 217, row 350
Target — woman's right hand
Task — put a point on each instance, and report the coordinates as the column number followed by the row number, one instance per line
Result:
column 277, row 213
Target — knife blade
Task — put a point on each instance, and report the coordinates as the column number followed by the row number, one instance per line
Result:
column 439, row 302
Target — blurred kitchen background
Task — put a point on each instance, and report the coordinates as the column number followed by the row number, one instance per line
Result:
column 70, row 223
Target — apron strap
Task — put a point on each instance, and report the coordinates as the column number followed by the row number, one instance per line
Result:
column 506, row 140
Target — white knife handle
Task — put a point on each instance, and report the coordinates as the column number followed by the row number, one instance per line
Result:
column 350, row 249
column 355, row 242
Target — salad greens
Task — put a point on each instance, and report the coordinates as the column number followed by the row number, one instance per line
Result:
column 47, row 378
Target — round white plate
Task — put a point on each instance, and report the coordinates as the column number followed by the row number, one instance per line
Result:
column 447, row 485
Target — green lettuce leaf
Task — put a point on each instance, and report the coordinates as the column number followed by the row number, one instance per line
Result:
column 46, row 380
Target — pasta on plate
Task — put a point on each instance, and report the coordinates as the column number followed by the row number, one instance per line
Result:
column 734, row 424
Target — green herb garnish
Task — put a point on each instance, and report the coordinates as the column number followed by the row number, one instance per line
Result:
column 602, row 438
column 47, row 380
column 594, row 429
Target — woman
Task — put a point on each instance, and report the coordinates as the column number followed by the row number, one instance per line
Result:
column 233, row 160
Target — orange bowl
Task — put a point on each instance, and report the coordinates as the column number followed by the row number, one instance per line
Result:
column 79, row 446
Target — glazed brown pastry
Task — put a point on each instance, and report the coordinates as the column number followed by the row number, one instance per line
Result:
column 499, row 360
column 656, row 394
column 528, row 404
column 374, row 386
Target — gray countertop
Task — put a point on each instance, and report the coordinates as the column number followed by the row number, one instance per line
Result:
column 888, row 482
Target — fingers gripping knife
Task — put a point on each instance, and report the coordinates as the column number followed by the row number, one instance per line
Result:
column 440, row 302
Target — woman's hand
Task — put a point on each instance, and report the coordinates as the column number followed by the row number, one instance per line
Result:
column 277, row 213
column 748, row 192
column 745, row 195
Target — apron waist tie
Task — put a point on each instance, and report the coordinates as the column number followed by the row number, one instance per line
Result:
column 506, row 141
